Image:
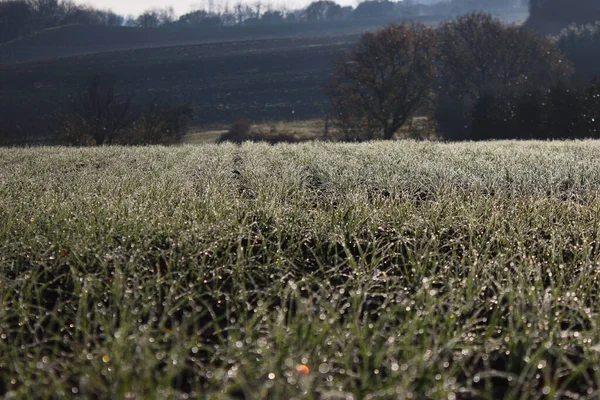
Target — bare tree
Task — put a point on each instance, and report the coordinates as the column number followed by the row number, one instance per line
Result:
column 97, row 115
column 382, row 83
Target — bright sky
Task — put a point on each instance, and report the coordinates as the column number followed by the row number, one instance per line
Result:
column 135, row 7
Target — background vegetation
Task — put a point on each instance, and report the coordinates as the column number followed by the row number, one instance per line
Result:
column 22, row 17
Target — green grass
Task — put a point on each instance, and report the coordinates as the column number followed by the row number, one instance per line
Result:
column 392, row 270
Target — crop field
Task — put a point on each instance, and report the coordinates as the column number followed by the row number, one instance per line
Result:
column 310, row 271
column 278, row 79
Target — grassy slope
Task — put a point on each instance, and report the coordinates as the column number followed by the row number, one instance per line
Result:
column 389, row 269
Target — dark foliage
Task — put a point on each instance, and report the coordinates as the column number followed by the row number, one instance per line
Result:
column 482, row 61
column 323, row 10
column 155, row 17
column 21, row 17
column 565, row 111
column 581, row 44
column 200, row 18
column 374, row 9
column 159, row 124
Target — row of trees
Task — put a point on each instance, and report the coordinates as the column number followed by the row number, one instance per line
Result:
column 459, row 73
column 328, row 10
column 21, row 17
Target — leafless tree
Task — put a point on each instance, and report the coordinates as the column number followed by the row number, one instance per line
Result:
column 96, row 115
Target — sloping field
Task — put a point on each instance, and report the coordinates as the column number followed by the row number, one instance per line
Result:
column 72, row 40
column 317, row 271
column 278, row 79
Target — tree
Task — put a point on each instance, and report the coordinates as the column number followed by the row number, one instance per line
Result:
column 155, row 17
column 159, row 124
column 479, row 55
column 14, row 18
column 200, row 18
column 374, row 9
column 388, row 76
column 97, row 115
column 478, row 52
column 323, row 10
column 273, row 17
column 582, row 45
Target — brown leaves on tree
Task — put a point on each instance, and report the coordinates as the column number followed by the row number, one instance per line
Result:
column 377, row 87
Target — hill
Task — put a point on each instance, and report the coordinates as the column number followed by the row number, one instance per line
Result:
column 263, row 72
column 91, row 39
column 263, row 79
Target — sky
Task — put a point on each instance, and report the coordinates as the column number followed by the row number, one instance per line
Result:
column 127, row 7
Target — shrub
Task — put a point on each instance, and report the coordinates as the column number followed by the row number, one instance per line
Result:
column 96, row 115
column 159, row 124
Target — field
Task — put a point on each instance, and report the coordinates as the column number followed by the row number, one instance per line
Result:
column 278, row 79
column 312, row 271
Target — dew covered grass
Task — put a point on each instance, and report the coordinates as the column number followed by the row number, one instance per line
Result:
column 312, row 271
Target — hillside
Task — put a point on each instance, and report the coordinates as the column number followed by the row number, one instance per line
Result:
column 91, row 39
column 263, row 79
column 263, row 73
column 318, row 271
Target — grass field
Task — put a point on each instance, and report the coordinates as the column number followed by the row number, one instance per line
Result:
column 312, row 271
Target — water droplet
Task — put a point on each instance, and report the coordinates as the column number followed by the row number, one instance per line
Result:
column 324, row 368
column 546, row 390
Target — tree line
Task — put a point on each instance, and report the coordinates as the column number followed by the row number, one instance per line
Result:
column 475, row 77
column 22, row 17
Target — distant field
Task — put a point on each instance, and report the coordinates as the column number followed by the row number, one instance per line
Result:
column 75, row 40
column 316, row 271
column 279, row 79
